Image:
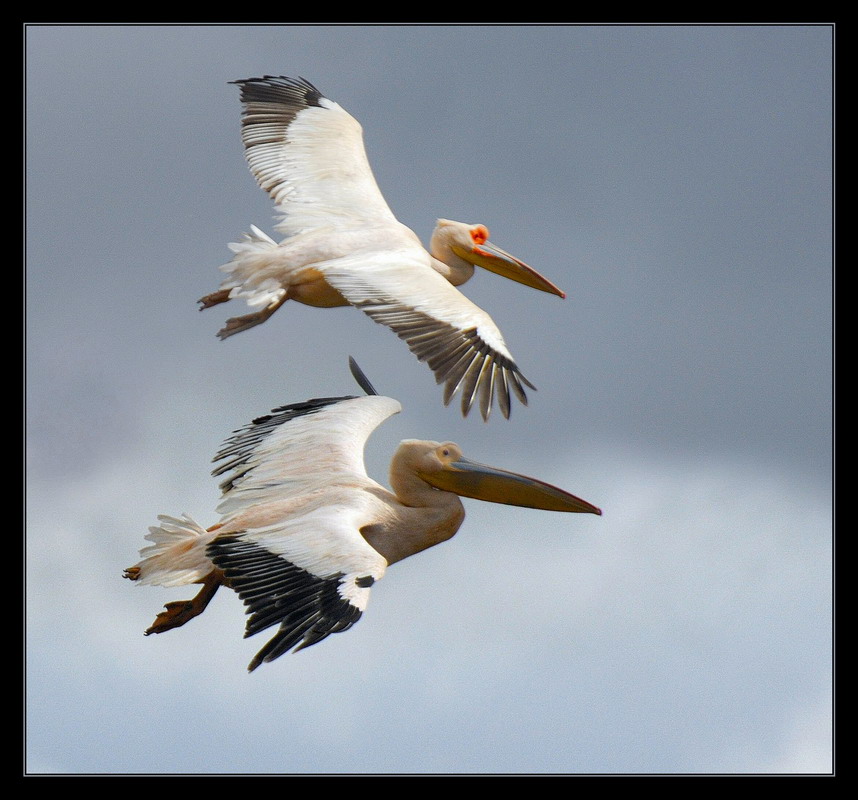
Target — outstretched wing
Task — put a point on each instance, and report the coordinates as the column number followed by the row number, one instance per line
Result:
column 307, row 152
column 298, row 448
column 295, row 496
column 457, row 339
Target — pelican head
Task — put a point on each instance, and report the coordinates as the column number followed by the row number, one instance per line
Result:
column 442, row 466
column 470, row 243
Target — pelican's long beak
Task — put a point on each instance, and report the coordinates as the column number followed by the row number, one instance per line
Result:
column 470, row 479
column 500, row 262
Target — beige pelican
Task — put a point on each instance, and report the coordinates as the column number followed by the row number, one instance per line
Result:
column 344, row 246
column 304, row 532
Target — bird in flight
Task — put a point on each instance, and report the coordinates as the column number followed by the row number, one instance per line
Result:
column 304, row 533
column 343, row 246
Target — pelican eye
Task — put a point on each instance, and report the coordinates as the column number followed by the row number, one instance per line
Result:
column 480, row 234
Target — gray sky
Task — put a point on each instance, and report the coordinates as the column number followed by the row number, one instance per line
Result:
column 674, row 181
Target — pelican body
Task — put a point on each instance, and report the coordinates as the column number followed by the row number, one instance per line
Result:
column 343, row 246
column 304, row 532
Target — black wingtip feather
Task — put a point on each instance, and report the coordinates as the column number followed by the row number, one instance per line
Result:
column 274, row 88
column 308, row 607
column 360, row 377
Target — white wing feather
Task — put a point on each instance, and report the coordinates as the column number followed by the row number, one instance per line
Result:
column 308, row 153
column 285, row 456
column 296, row 495
column 458, row 340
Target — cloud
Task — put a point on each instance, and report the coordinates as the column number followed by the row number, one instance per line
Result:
column 668, row 635
column 684, row 387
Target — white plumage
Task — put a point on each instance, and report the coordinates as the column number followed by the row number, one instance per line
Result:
column 304, row 532
column 344, row 246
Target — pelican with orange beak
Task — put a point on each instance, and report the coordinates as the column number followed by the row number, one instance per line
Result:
column 304, row 532
column 343, row 246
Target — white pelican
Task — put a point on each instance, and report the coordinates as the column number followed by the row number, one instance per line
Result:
column 344, row 246
column 304, row 532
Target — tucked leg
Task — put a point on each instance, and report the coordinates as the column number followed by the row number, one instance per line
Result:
column 214, row 298
column 179, row 612
column 238, row 324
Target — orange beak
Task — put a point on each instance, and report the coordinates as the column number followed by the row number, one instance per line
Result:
column 467, row 478
column 500, row 262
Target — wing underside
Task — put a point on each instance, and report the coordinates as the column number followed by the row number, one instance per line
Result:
column 295, row 495
column 458, row 340
column 307, row 607
column 307, row 152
